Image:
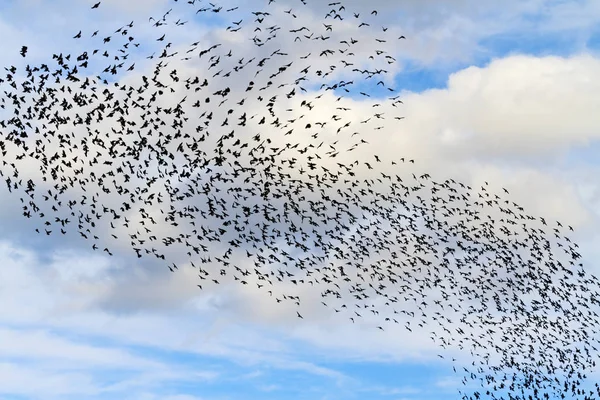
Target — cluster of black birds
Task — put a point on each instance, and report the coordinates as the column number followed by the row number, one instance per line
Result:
column 233, row 162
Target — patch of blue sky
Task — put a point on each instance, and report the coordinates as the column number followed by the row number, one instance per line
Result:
column 593, row 40
column 208, row 19
column 584, row 155
column 416, row 78
column 422, row 381
column 531, row 42
column 14, row 397
column 413, row 78
column 259, row 381
column 9, row 7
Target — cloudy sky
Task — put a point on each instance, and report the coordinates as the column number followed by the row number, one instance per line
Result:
column 505, row 92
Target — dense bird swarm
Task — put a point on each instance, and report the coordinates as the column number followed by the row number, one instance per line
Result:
column 232, row 160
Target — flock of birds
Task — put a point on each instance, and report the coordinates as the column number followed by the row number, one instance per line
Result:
column 233, row 161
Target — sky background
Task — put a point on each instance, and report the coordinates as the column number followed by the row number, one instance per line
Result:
column 505, row 92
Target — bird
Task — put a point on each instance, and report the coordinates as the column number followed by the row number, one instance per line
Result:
column 178, row 169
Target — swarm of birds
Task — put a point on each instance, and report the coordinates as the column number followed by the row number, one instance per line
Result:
column 233, row 161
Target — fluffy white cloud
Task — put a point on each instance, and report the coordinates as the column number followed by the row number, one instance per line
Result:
column 521, row 106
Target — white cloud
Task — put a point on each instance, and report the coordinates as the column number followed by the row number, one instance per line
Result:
column 524, row 104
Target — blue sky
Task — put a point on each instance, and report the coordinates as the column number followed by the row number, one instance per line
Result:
column 79, row 324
